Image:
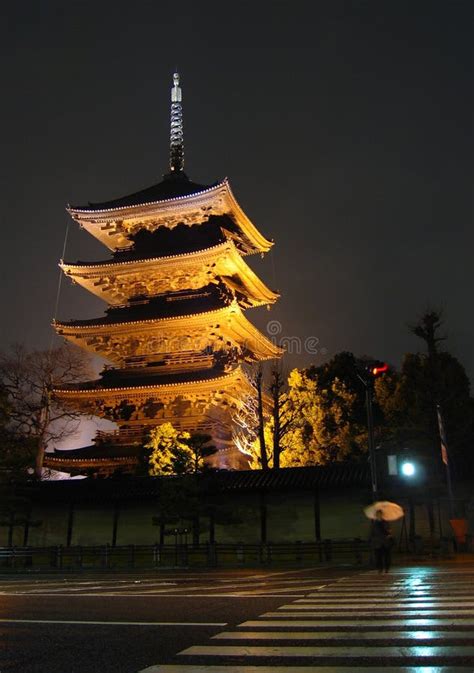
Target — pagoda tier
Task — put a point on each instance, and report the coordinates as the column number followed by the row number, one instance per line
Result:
column 100, row 460
column 203, row 404
column 119, row 281
column 176, row 286
column 174, row 201
column 160, row 340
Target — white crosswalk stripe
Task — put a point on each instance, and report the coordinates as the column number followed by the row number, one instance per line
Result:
column 411, row 621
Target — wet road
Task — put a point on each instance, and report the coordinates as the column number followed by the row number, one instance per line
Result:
column 323, row 620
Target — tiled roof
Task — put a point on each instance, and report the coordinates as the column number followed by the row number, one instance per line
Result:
column 170, row 187
column 336, row 476
column 174, row 304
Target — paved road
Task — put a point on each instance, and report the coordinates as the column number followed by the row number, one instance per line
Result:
column 323, row 621
column 121, row 624
column 410, row 620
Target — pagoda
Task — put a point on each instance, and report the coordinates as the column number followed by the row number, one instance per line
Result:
column 175, row 333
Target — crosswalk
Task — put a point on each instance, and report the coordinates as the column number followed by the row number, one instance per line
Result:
column 413, row 620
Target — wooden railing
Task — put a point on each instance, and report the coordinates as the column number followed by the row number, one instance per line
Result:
column 105, row 557
column 124, row 436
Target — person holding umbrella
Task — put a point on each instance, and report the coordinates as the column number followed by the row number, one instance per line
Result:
column 381, row 537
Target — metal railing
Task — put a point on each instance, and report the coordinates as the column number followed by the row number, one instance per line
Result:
column 125, row 557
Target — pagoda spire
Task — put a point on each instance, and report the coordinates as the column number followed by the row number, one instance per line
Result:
column 176, row 130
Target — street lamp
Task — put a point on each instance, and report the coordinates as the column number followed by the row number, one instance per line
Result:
column 408, row 469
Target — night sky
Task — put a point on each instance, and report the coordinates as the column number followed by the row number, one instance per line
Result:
column 345, row 128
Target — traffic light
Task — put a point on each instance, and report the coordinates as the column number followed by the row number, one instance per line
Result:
column 372, row 369
column 378, row 369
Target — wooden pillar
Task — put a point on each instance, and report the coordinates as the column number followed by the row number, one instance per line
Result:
column 263, row 518
column 115, row 523
column 317, row 516
column 70, row 524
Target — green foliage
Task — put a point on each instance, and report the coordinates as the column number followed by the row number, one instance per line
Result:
column 169, row 452
column 175, row 452
column 337, row 424
column 409, row 399
column 200, row 449
column 322, row 413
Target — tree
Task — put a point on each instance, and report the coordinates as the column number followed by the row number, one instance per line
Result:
column 276, row 389
column 284, row 431
column 200, row 450
column 426, row 379
column 338, row 424
column 170, row 452
column 427, row 329
column 28, row 380
column 261, row 419
column 249, row 423
column 177, row 452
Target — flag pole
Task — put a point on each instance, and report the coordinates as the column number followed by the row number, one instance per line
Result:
column 445, row 459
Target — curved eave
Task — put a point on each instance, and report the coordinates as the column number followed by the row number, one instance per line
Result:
column 147, row 207
column 230, row 318
column 101, row 223
column 63, row 461
column 201, row 386
column 86, row 275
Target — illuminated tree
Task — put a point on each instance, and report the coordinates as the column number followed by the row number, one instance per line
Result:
column 284, row 432
column 249, row 423
column 28, row 380
column 318, row 418
column 170, row 453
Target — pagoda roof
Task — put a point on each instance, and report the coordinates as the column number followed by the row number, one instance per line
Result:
column 141, row 377
column 173, row 186
column 94, row 451
column 116, row 281
column 81, row 460
column 223, row 327
column 161, row 307
column 116, row 225
column 211, row 385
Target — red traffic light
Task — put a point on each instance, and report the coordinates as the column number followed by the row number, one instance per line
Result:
column 379, row 369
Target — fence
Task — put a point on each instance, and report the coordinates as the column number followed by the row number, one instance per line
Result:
column 105, row 557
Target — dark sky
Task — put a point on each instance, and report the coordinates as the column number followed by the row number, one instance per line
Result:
column 345, row 128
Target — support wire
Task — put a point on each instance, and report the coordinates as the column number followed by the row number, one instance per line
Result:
column 58, row 293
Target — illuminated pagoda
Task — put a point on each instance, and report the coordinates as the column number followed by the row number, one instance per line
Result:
column 175, row 333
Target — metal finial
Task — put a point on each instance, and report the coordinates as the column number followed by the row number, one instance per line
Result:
column 176, row 134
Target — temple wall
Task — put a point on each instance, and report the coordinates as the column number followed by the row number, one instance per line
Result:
column 290, row 517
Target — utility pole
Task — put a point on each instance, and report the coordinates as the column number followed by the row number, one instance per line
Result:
column 367, row 375
column 445, row 459
column 370, row 438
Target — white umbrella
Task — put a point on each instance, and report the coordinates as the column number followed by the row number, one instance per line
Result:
column 390, row 510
